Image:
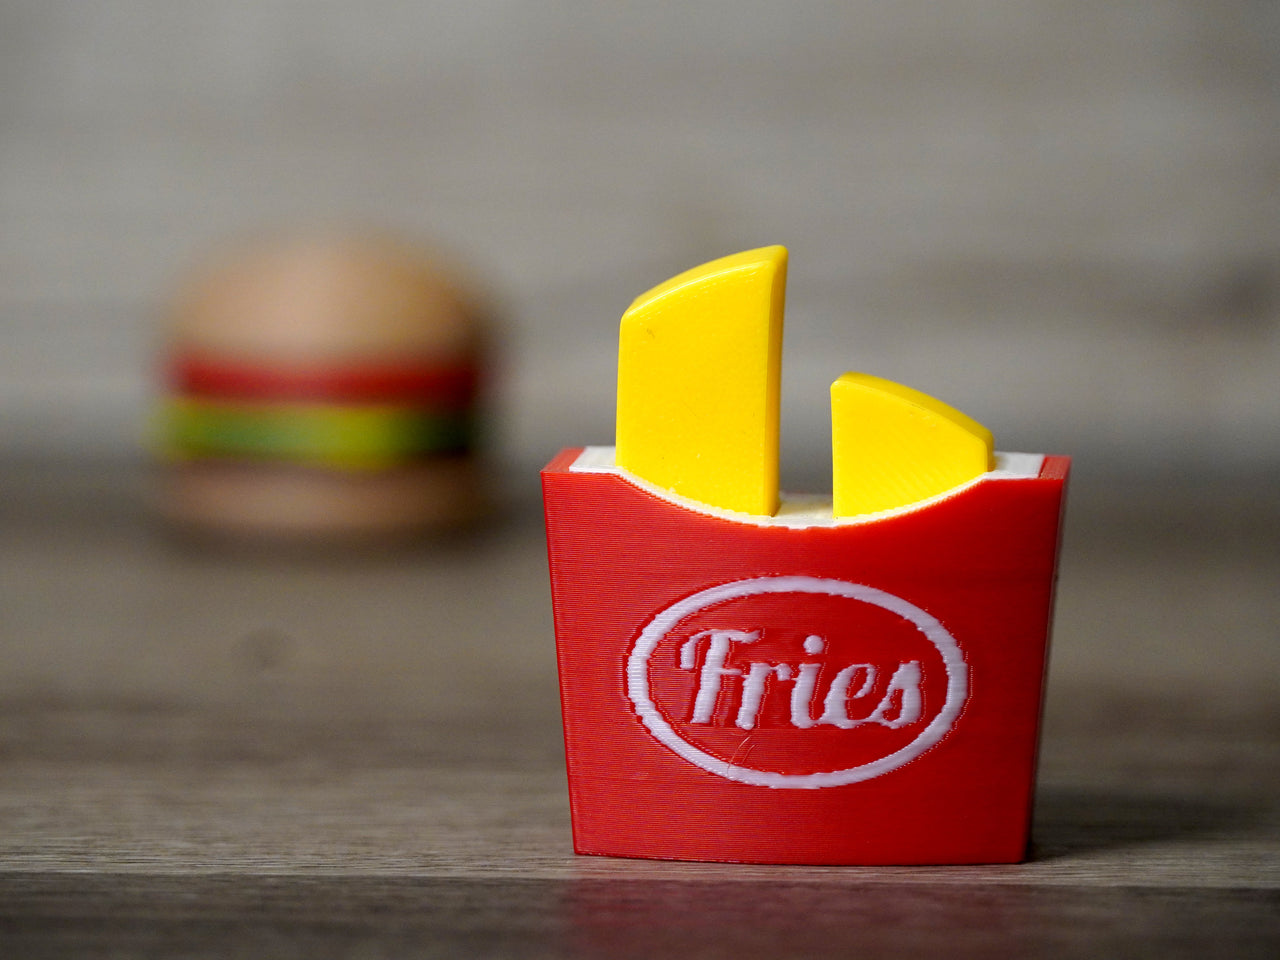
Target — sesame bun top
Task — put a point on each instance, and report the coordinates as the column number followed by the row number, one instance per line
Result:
column 325, row 298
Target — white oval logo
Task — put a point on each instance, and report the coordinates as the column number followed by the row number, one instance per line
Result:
column 748, row 720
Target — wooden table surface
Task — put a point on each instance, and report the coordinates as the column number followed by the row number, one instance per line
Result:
column 213, row 754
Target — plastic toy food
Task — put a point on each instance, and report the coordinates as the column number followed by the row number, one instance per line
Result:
column 321, row 387
column 761, row 678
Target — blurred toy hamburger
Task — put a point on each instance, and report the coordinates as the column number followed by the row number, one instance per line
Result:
column 321, row 387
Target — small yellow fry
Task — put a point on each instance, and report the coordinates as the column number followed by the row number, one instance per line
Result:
column 892, row 446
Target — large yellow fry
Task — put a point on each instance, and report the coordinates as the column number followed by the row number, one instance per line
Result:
column 699, row 364
column 892, row 446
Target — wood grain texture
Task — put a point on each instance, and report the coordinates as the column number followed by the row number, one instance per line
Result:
column 212, row 754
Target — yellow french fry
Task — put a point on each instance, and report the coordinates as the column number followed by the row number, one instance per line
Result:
column 699, row 366
column 892, row 446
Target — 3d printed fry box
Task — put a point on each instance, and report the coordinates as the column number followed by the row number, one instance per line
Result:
column 802, row 684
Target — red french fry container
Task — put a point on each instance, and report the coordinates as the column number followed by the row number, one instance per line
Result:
column 797, row 689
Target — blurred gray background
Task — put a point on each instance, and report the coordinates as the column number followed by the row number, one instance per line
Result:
column 1061, row 217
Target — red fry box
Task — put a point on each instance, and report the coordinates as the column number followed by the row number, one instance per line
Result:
column 796, row 689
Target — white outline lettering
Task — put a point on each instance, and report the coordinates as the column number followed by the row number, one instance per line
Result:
column 637, row 675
